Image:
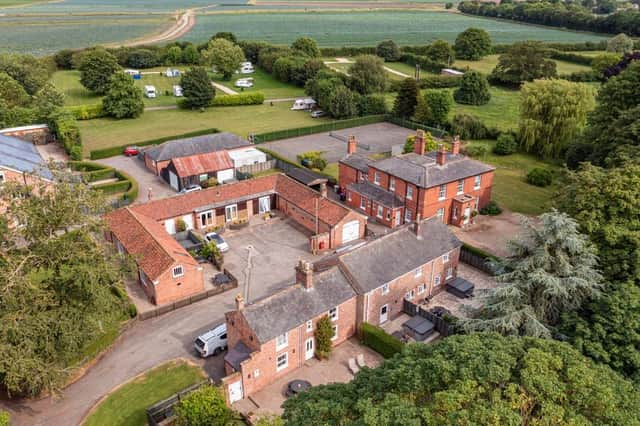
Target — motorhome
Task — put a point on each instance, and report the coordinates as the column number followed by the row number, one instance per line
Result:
column 246, row 68
column 177, row 90
column 212, row 342
column 150, row 91
column 244, row 83
column 303, row 104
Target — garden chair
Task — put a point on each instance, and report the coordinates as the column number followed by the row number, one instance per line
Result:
column 353, row 367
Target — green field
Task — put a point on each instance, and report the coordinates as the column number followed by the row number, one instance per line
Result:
column 263, row 82
column 104, row 132
column 502, row 111
column 488, row 63
column 68, row 82
column 126, row 406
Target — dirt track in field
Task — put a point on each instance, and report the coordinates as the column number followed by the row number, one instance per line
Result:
column 183, row 25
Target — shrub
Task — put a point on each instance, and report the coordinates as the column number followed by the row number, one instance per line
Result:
column 372, row 105
column 474, row 89
column 132, row 310
column 211, row 182
column 63, row 60
column 86, row 112
column 4, row 418
column 76, row 153
column 251, row 98
column 476, row 151
column 506, row 144
column 113, row 187
column 539, row 177
column 388, row 50
column 381, row 342
column 324, row 334
column 181, row 226
column 468, row 127
column 491, row 209
column 204, row 406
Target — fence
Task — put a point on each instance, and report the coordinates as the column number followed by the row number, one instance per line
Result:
column 442, row 326
column 258, row 167
column 477, row 258
column 163, row 410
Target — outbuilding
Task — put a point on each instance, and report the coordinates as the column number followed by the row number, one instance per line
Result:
column 196, row 169
column 247, row 157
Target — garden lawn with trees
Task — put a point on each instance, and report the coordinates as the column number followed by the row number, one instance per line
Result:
column 489, row 62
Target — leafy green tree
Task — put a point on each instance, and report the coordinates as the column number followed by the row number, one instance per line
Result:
column 47, row 101
column 323, row 335
column 196, row 88
column 229, row 36
column 477, row 379
column 620, row 44
column 143, row 58
column 96, row 68
column 225, row 56
column 307, row 46
column 473, row 90
column 367, row 75
column 472, row 44
column 405, row 103
column 173, row 55
column 63, row 58
column 388, row 50
column 206, row 406
column 190, row 55
column 524, row 61
column 601, row 62
column 372, row 105
column 429, row 142
column 439, row 103
column 322, row 86
column 124, row 99
column 552, row 114
column 422, row 113
column 441, row 51
column 12, row 92
column 550, row 270
column 343, row 103
column 32, row 73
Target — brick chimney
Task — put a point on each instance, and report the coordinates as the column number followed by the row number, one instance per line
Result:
column 419, row 144
column 304, row 274
column 417, row 226
column 441, row 155
column 239, row 302
column 455, row 145
column 352, row 145
column 323, row 190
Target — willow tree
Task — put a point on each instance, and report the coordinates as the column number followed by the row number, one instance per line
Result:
column 552, row 114
column 551, row 270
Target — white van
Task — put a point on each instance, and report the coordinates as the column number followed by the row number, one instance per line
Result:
column 303, row 104
column 150, row 91
column 212, row 342
column 177, row 90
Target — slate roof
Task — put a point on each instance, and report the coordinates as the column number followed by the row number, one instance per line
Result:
column 147, row 241
column 22, row 156
column 237, row 354
column 357, row 161
column 202, row 163
column 306, row 176
column 196, row 145
column 397, row 253
column 294, row 306
column 377, row 194
column 422, row 170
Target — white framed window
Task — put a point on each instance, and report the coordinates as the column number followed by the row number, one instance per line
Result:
column 388, row 214
column 417, row 272
column 460, row 186
column 256, row 373
column 178, row 271
column 203, row 177
column 440, row 213
column 282, row 361
column 421, row 288
column 443, row 192
column 407, row 216
column 410, row 295
column 392, row 184
column 385, row 288
column 363, row 203
column 206, row 218
column 282, row 341
column 449, row 273
column 335, row 332
column 333, row 314
column 380, row 212
column 436, row 280
column 376, row 178
column 476, row 182
column 445, row 258
column 409, row 192
column 310, row 325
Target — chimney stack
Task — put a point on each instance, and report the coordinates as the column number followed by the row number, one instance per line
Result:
column 304, row 274
column 352, row 145
column 239, row 302
column 323, row 190
column 419, row 144
column 441, row 155
column 417, row 226
column 455, row 145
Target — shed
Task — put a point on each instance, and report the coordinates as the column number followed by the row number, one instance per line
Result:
column 247, row 157
column 195, row 169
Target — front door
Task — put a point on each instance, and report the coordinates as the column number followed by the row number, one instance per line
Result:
column 235, row 391
column 231, row 212
column 384, row 313
column 398, row 217
column 308, row 349
column 264, row 204
column 467, row 215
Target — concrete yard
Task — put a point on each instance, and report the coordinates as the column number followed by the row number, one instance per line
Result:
column 379, row 137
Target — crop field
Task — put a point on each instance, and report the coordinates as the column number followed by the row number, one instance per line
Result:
column 112, row 6
column 488, row 63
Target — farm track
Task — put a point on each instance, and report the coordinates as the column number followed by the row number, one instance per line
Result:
column 183, row 25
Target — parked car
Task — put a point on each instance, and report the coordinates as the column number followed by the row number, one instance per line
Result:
column 131, row 150
column 318, row 113
column 220, row 242
column 244, row 83
column 212, row 342
column 190, row 188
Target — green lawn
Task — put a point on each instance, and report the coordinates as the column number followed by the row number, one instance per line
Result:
column 242, row 120
column 510, row 188
column 68, row 82
column 488, row 63
column 591, row 53
column 402, row 67
column 127, row 405
column 265, row 83
column 501, row 111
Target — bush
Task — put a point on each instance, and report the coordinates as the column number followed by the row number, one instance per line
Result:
column 381, row 342
column 64, row 127
column 132, row 192
column 471, row 127
column 372, row 105
column 251, row 98
column 4, row 418
column 76, row 153
column 506, row 144
column 204, row 406
column 476, row 151
column 181, row 225
column 86, row 112
column 474, row 89
column 209, row 183
column 313, row 159
column 491, row 209
column 323, row 335
column 388, row 50
column 63, row 60
column 539, row 177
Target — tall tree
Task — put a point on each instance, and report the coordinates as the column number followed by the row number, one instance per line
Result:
column 96, row 68
column 472, row 44
column 367, row 75
column 552, row 114
column 12, row 92
column 620, row 44
column 196, row 88
column 123, row 99
column 441, row 51
column 388, row 50
column 224, row 55
column 306, row 46
column 406, row 99
column 473, row 90
column 343, row 103
column 47, row 102
column 524, row 61
column 550, row 270
column 439, row 103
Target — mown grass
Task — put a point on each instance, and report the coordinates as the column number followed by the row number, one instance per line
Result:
column 502, row 111
column 68, row 82
column 263, row 82
column 127, row 405
column 488, row 63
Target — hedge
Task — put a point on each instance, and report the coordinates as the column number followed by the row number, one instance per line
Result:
column 92, row 172
column 116, row 150
column 348, row 51
column 113, row 187
column 425, row 63
column 430, row 82
column 309, row 130
column 132, row 193
column 87, row 112
column 479, row 252
column 251, row 98
column 66, row 130
column 381, row 342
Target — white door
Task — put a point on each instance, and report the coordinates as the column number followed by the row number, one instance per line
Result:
column 231, row 212
column 308, row 348
column 235, row 391
column 350, row 231
column 225, row 175
column 264, row 204
column 384, row 313
column 188, row 220
column 173, row 181
column 467, row 215
column 398, row 217
column 170, row 226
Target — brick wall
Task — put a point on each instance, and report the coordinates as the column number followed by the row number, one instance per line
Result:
column 37, row 136
column 346, row 175
column 170, row 289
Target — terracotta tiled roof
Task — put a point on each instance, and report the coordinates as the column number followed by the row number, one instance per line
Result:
column 202, row 163
column 147, row 241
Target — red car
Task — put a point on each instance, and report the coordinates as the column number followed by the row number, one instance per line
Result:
column 131, row 150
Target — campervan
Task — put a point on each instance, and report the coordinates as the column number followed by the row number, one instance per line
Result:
column 303, row 104
column 212, row 342
column 170, row 72
column 246, row 68
column 244, row 83
column 177, row 90
column 131, row 72
column 150, row 91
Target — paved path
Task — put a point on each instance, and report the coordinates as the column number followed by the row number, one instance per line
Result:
column 348, row 61
column 223, row 88
column 401, row 74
